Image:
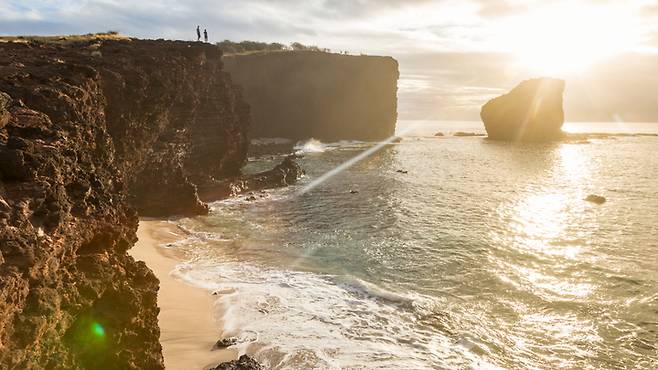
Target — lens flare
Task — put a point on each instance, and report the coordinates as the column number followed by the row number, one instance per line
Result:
column 98, row 330
column 352, row 161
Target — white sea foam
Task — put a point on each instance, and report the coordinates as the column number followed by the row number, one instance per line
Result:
column 316, row 146
column 309, row 146
column 398, row 277
column 301, row 320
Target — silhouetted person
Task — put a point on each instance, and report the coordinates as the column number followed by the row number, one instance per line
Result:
column 205, row 35
column 198, row 33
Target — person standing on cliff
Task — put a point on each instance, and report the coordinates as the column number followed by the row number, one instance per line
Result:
column 198, row 34
column 205, row 35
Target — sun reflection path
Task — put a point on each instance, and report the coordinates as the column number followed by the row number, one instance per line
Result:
column 340, row 168
column 351, row 162
column 549, row 227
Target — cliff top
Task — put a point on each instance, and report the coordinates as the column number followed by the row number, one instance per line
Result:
column 228, row 48
column 258, row 53
column 232, row 48
column 66, row 39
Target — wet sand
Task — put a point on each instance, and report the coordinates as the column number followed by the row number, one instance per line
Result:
column 188, row 329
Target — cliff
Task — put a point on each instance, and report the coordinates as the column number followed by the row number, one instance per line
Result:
column 330, row 97
column 91, row 134
column 532, row 111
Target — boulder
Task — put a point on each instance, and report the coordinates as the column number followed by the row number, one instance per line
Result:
column 596, row 199
column 225, row 342
column 284, row 174
column 243, row 363
column 532, row 111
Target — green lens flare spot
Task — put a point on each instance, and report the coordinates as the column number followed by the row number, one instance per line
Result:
column 98, row 330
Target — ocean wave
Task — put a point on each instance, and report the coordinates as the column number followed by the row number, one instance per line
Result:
column 306, row 320
column 457, row 298
column 309, row 146
column 606, row 135
column 316, row 146
column 270, row 141
column 364, row 288
column 348, row 143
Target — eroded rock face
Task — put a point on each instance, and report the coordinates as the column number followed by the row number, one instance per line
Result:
column 284, row 174
column 329, row 97
column 532, row 111
column 88, row 135
column 5, row 101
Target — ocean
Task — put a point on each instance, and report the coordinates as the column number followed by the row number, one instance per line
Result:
column 443, row 252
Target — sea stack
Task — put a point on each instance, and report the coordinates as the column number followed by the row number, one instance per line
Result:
column 532, row 111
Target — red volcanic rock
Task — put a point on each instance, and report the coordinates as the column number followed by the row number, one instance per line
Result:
column 532, row 111
column 90, row 133
column 5, row 101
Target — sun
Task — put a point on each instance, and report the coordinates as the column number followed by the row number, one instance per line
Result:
column 565, row 38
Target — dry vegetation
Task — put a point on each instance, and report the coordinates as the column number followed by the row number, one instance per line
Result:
column 110, row 35
column 252, row 47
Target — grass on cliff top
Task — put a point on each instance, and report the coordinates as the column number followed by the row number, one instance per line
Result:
column 110, row 35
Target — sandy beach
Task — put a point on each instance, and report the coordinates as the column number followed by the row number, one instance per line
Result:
column 188, row 330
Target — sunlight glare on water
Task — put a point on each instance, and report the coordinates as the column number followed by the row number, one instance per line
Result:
column 483, row 255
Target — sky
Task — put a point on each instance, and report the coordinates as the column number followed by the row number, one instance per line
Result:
column 454, row 54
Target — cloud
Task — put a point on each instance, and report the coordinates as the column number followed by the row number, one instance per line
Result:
column 652, row 39
column 360, row 8
column 650, row 10
column 440, row 44
column 370, row 26
column 501, row 8
column 155, row 19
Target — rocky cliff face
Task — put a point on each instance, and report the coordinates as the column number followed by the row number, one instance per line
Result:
column 532, row 111
column 329, row 97
column 90, row 133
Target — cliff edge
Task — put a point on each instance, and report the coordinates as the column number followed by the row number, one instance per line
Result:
column 310, row 94
column 91, row 134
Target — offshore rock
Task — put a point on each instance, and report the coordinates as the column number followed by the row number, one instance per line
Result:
column 243, row 363
column 85, row 141
column 308, row 94
column 596, row 199
column 225, row 343
column 284, row 174
column 532, row 111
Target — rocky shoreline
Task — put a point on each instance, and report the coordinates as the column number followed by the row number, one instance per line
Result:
column 93, row 134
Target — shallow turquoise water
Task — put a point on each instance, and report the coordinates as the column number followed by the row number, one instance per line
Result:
column 482, row 255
